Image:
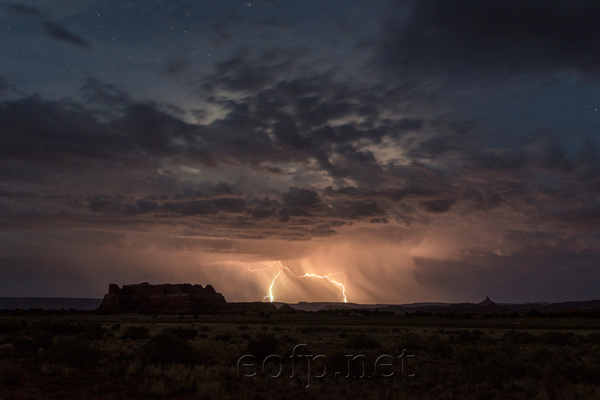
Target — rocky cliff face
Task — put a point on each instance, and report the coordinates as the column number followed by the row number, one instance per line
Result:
column 180, row 299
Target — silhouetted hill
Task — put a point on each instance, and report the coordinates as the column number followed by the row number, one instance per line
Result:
column 487, row 306
column 487, row 302
column 173, row 299
column 166, row 298
column 553, row 307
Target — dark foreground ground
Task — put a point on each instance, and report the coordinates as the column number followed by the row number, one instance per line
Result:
column 82, row 355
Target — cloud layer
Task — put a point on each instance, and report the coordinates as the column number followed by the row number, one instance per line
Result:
column 442, row 139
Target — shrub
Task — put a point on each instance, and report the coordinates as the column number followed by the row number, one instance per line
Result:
column 135, row 333
column 262, row 345
column 24, row 345
column 226, row 337
column 182, row 333
column 592, row 338
column 75, row 352
column 42, row 340
column 167, row 348
column 519, row 338
column 10, row 327
column 557, row 338
column 409, row 340
column 30, row 344
column 6, row 350
column 441, row 348
column 468, row 336
column 361, row 341
column 95, row 331
column 352, row 367
column 61, row 328
column 11, row 375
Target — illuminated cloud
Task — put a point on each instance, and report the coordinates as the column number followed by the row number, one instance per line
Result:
column 430, row 150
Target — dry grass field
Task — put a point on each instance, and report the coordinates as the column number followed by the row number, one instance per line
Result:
column 326, row 355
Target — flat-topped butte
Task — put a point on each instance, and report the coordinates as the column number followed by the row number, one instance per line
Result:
column 165, row 298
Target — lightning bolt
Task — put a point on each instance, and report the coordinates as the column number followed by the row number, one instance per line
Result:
column 270, row 295
column 333, row 281
column 282, row 272
column 283, row 268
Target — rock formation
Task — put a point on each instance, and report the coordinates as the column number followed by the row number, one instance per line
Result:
column 146, row 298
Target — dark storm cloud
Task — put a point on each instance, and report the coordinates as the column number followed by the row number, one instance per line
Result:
column 300, row 206
column 394, row 194
column 207, row 189
column 105, row 203
column 303, row 115
column 457, row 138
column 202, row 207
column 555, row 157
column 586, row 216
column 264, row 208
column 286, row 132
column 559, row 159
column 301, row 198
column 240, row 74
column 465, row 142
column 438, row 206
column 17, row 195
column 459, row 35
column 61, row 33
column 212, row 200
column 300, row 202
column 96, row 92
column 4, row 86
column 110, row 205
column 59, row 132
column 38, row 130
column 53, row 29
column 497, row 160
column 283, row 121
column 177, row 65
column 17, row 8
column 355, row 209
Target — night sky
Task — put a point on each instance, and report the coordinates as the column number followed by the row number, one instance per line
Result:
column 426, row 150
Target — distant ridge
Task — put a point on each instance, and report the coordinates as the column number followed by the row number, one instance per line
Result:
column 48, row 303
column 554, row 307
column 487, row 306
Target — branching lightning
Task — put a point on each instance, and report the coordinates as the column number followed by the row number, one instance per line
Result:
column 283, row 268
column 279, row 279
